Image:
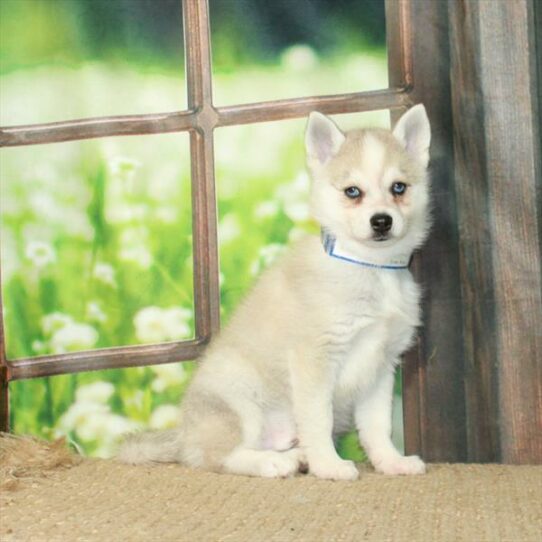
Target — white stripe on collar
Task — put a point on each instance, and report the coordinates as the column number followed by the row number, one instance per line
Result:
column 334, row 249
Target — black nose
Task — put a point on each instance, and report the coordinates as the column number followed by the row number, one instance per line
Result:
column 381, row 223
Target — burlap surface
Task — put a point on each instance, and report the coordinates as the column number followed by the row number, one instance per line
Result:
column 105, row 501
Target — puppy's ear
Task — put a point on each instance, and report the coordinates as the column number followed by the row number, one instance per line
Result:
column 322, row 138
column 414, row 133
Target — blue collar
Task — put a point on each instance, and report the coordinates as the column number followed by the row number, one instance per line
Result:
column 332, row 247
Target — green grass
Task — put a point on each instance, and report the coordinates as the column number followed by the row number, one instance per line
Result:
column 98, row 232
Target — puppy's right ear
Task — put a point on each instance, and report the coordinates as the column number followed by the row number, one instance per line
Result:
column 322, row 138
column 414, row 133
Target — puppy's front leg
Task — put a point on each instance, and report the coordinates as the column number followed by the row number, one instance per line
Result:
column 312, row 382
column 373, row 421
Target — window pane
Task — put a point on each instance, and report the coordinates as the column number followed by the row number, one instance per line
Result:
column 96, row 244
column 284, row 49
column 66, row 59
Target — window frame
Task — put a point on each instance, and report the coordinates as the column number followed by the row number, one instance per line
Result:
column 199, row 119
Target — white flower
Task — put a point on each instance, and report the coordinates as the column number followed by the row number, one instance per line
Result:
column 73, row 337
column 92, row 420
column 77, row 415
column 103, row 426
column 95, row 313
column 154, row 324
column 164, row 417
column 139, row 255
column 105, row 273
column 133, row 247
column 97, row 392
column 266, row 209
column 39, row 347
column 299, row 58
column 135, row 400
column 40, row 253
column 54, row 321
column 229, row 228
column 149, row 326
column 176, row 322
column 167, row 375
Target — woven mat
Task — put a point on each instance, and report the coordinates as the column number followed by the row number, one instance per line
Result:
column 104, row 501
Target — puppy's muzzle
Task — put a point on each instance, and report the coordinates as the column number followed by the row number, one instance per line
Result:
column 381, row 224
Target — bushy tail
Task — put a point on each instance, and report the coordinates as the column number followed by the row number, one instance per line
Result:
column 151, row 447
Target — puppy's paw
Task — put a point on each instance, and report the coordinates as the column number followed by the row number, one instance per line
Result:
column 279, row 465
column 335, row 469
column 411, row 464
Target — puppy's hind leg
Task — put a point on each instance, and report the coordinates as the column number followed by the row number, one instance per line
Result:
column 211, row 431
column 217, row 438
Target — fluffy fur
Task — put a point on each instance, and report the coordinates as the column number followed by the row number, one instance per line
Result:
column 312, row 351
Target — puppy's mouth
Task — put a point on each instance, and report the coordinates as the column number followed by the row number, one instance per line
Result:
column 380, row 237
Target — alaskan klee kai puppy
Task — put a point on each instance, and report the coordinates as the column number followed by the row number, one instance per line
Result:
column 312, row 351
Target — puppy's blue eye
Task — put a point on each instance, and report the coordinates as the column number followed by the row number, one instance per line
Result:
column 398, row 189
column 352, row 192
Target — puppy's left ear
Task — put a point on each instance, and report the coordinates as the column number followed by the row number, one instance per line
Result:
column 414, row 133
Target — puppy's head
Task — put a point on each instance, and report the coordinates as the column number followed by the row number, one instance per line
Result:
column 370, row 186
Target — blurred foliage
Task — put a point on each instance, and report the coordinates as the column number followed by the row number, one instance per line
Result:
column 264, row 29
column 70, row 32
column 149, row 32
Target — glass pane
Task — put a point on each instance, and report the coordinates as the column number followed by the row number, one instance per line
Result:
column 66, row 59
column 96, row 244
column 284, row 49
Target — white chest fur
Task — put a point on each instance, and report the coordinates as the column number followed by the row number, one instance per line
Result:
column 374, row 298
column 374, row 323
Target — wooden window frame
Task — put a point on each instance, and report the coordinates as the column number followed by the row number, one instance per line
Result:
column 200, row 119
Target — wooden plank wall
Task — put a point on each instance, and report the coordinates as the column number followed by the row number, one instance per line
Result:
column 473, row 388
column 433, row 391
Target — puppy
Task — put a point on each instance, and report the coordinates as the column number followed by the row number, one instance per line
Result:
column 311, row 353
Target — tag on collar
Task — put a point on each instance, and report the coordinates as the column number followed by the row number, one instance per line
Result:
column 334, row 249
